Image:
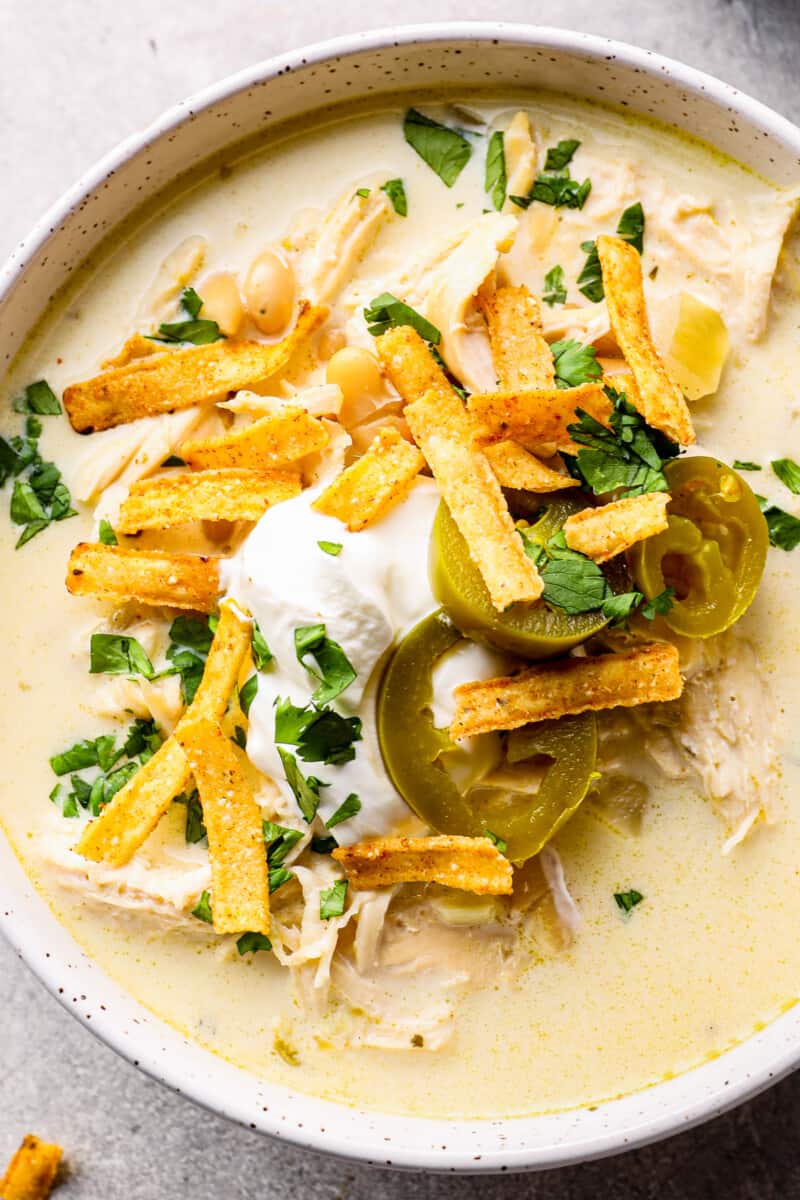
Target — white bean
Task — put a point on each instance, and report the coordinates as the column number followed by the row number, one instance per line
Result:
column 269, row 292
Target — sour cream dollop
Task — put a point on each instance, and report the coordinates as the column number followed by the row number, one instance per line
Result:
column 372, row 591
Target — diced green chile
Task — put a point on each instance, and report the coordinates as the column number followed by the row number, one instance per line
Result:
column 535, row 630
column 413, row 749
column 712, row 552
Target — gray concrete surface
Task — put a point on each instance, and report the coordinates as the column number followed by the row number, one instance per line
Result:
column 75, row 77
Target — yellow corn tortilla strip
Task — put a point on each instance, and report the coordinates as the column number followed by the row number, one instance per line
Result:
column 372, row 485
column 410, row 366
column 660, row 399
column 602, row 532
column 136, row 346
column 272, row 441
column 182, row 378
column 537, row 418
column 470, row 864
column 149, row 576
column 32, row 1171
column 226, row 495
column 239, row 885
column 573, row 685
column 444, row 432
column 523, row 359
column 516, row 467
column 125, row 823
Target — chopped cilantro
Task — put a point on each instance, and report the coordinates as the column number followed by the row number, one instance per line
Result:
column 630, row 226
column 191, row 302
column 501, row 843
column 323, row 845
column 320, row 735
column 39, row 398
column 262, row 655
column 196, row 330
column 617, row 609
column 332, row 548
column 202, row 910
column 348, row 808
column 25, row 504
column 195, row 826
column 628, row 900
column 332, row 900
column 574, row 363
column 106, row 533
column 363, row 192
column 114, row 654
column 278, row 876
column 554, row 290
column 279, row 841
column 445, row 150
column 395, row 190
column 590, row 280
column 572, row 582
column 495, row 173
column 561, row 156
column 82, row 754
column 560, row 191
column 189, row 643
column 387, row 312
column 784, row 529
column 335, row 669
column 739, row 465
column 43, row 497
column 788, row 472
column 659, row 605
column 251, row 943
column 628, row 457
column 305, row 789
column 247, row 694
column 239, row 737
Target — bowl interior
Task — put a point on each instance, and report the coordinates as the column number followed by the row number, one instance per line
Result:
column 305, row 85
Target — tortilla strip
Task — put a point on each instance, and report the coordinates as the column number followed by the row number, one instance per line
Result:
column 31, row 1173
column 132, row 815
column 537, row 418
column 372, row 485
column 660, row 399
column 136, row 346
column 602, row 532
column 516, row 467
column 272, row 441
column 227, row 495
column 149, row 576
column 182, row 378
column 239, row 886
column 471, row 864
column 523, row 359
column 410, row 366
column 444, row 433
column 572, row 685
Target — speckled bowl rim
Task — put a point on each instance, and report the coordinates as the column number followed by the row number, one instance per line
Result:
column 509, row 1144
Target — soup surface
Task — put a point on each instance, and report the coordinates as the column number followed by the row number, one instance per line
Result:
column 657, row 926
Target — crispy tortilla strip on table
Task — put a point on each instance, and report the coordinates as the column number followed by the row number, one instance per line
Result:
column 272, row 441
column 444, row 432
column 32, row 1171
column 537, row 418
column 573, row 685
column 523, row 359
column 471, row 864
column 410, row 366
column 239, row 887
column 373, row 484
column 660, row 399
column 181, row 378
column 602, row 532
column 516, row 467
column 226, row 495
column 149, row 576
column 134, row 812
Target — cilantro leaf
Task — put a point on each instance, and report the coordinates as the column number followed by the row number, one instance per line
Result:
column 348, row 808
column 788, row 472
column 39, row 398
column 323, row 845
column 445, row 150
column 82, row 754
column 262, row 655
column 191, row 302
column 332, row 548
column 114, row 654
column 561, row 155
column 573, row 583
column 659, row 605
column 143, row 739
column 279, row 841
column 495, row 180
column 590, row 280
column 784, row 529
column 332, row 900
column 395, row 190
column 560, row 191
column 501, row 843
column 66, row 801
column 320, row 735
column 251, row 943
column 196, row 330
column 189, row 643
column 247, row 694
column 628, row 900
column 335, row 669
column 202, row 910
column 555, row 291
column 618, row 608
column 106, row 533
column 739, row 465
column 195, row 825
column 306, row 790
column 630, row 226
column 363, row 192
column 629, row 456
column 387, row 312
column 25, row 504
column 574, row 363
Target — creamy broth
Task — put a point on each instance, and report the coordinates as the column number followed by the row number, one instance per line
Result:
column 709, row 955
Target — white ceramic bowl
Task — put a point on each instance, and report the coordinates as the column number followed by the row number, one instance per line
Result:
column 255, row 101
